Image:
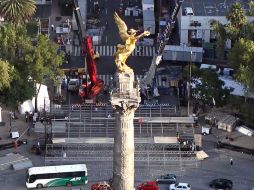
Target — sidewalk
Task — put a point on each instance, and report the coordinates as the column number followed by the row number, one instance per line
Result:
column 18, row 124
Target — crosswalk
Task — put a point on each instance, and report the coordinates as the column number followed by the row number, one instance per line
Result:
column 109, row 50
column 108, row 79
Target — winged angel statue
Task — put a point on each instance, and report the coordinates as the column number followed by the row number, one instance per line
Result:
column 129, row 38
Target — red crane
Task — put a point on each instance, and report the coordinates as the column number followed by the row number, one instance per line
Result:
column 96, row 86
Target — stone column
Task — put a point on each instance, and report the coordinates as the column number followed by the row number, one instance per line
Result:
column 125, row 99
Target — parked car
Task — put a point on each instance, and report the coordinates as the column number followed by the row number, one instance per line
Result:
column 206, row 130
column 103, row 185
column 149, row 185
column 73, row 85
column 180, row 186
column 188, row 11
column 168, row 178
column 221, row 184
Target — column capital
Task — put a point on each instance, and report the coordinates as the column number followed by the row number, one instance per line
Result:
column 123, row 107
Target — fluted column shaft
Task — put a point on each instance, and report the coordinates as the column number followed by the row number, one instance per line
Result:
column 123, row 167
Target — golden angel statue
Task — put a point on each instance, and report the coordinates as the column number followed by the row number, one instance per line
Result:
column 129, row 38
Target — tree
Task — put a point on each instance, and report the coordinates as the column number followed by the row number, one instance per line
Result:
column 245, row 76
column 236, row 28
column 221, row 37
column 44, row 62
column 5, row 74
column 251, row 10
column 241, row 33
column 195, row 72
column 32, row 28
column 237, row 21
column 20, row 90
column 209, row 88
column 32, row 62
column 14, row 44
column 241, row 58
column 242, row 53
column 17, row 11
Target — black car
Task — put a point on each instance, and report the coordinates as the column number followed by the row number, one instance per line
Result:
column 168, row 178
column 221, row 184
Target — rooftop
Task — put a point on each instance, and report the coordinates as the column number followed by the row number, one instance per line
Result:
column 212, row 7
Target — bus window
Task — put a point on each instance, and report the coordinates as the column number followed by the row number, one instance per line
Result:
column 32, row 179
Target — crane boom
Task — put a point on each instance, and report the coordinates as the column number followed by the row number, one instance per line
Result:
column 147, row 81
column 87, row 53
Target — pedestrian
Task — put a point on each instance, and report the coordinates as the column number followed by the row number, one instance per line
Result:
column 28, row 131
column 231, row 162
column 15, row 146
column 26, row 116
column 52, row 27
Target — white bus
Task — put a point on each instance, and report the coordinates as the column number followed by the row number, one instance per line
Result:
column 52, row 176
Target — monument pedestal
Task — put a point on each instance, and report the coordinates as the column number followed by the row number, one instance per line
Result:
column 125, row 99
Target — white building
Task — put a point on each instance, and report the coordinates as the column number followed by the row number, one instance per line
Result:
column 196, row 29
column 148, row 15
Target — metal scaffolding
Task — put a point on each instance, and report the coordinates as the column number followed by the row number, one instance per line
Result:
column 146, row 155
column 97, row 120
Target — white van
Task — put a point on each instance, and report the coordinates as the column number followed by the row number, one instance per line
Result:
column 188, row 11
column 245, row 130
column 73, row 85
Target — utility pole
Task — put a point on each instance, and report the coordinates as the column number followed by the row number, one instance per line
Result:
column 189, row 83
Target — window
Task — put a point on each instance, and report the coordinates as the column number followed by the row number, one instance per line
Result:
column 32, row 178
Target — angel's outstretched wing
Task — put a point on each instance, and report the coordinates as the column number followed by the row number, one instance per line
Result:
column 121, row 27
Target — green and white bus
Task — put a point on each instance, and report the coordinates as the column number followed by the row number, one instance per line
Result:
column 52, row 176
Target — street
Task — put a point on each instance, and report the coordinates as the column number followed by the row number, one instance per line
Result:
column 98, row 121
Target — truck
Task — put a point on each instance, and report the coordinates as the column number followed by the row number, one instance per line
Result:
column 88, row 90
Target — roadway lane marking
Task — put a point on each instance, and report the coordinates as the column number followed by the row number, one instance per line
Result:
column 111, row 50
column 106, row 11
column 146, row 54
column 106, row 39
column 96, row 49
column 104, row 49
column 150, row 51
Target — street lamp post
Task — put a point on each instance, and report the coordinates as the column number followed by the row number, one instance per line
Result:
column 189, row 84
column 10, row 118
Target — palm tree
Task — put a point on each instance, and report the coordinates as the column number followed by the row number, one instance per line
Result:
column 17, row 11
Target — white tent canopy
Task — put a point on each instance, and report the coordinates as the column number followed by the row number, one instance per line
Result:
column 42, row 101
